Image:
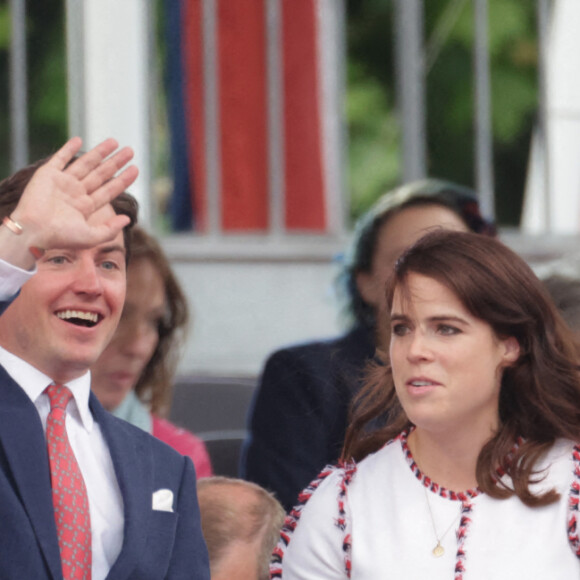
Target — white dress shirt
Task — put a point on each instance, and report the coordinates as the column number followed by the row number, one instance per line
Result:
column 12, row 279
column 86, row 439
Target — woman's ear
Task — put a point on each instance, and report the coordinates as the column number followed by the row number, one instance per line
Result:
column 512, row 350
column 366, row 284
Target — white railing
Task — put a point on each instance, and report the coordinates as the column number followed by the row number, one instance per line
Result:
column 412, row 67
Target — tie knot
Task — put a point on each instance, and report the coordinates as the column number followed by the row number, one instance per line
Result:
column 59, row 396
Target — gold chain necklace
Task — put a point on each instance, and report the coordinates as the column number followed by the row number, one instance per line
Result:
column 438, row 550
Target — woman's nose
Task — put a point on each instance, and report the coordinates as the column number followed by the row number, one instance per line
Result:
column 137, row 339
column 419, row 347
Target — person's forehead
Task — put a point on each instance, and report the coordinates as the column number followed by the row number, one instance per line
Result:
column 414, row 220
column 117, row 244
column 418, row 289
column 409, row 225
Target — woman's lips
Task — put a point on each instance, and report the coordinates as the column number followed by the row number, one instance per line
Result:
column 422, row 385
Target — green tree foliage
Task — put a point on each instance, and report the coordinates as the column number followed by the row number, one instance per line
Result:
column 374, row 128
column 47, row 100
column 4, row 107
column 47, row 79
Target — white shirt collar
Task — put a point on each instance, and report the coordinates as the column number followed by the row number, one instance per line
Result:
column 34, row 382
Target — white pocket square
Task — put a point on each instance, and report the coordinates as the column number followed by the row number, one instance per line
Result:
column 163, row 500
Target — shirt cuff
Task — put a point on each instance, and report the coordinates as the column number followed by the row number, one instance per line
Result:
column 12, row 279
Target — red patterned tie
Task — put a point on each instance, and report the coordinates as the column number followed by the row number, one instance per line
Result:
column 69, row 494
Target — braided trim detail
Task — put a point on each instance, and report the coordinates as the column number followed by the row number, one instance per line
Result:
column 293, row 518
column 574, row 504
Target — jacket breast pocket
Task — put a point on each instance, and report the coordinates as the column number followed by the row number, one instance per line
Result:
column 159, row 546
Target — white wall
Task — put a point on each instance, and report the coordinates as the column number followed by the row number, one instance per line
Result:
column 251, row 297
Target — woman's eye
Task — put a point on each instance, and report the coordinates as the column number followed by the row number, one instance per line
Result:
column 400, row 329
column 447, row 330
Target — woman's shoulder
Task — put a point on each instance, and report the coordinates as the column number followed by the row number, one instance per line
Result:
column 557, row 469
column 561, row 457
column 561, row 464
column 330, row 482
column 321, row 512
column 334, row 481
column 331, row 486
column 384, row 458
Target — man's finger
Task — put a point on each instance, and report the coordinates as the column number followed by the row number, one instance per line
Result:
column 106, row 170
column 65, row 153
column 87, row 162
column 114, row 187
column 108, row 230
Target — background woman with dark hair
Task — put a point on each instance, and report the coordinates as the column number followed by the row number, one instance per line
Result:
column 477, row 473
column 133, row 377
column 565, row 292
column 299, row 415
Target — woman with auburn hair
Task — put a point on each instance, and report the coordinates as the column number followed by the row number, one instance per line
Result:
column 477, row 473
column 133, row 377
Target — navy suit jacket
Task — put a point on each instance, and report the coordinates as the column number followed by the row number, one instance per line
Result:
column 298, row 418
column 156, row 544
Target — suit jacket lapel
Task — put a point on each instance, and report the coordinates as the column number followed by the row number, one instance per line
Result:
column 24, row 444
column 132, row 462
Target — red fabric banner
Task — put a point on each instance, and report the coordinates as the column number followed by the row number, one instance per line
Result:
column 242, row 92
column 243, row 114
column 305, row 207
column 192, row 46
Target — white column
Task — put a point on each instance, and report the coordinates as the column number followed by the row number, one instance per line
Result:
column 110, row 80
column 331, row 22
column 563, row 127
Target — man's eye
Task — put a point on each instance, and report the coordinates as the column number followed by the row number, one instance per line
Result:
column 108, row 265
column 57, row 260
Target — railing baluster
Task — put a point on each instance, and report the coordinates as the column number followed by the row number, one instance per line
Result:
column 18, row 86
column 483, row 129
column 411, row 86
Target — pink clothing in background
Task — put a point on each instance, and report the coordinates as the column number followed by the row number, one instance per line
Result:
column 185, row 443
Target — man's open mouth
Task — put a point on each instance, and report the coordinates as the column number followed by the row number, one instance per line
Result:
column 79, row 317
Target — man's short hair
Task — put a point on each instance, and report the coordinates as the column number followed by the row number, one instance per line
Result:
column 237, row 510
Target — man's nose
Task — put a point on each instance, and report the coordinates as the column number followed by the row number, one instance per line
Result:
column 87, row 278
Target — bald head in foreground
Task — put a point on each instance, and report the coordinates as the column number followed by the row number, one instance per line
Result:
column 241, row 524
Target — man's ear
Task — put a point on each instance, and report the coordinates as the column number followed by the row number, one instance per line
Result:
column 511, row 350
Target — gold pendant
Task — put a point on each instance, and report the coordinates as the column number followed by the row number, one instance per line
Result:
column 438, row 550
